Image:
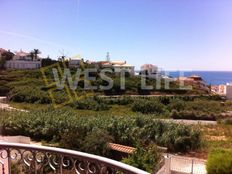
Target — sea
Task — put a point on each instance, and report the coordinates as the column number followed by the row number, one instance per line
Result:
column 210, row 77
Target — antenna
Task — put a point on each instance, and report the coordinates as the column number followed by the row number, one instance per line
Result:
column 108, row 56
column 63, row 54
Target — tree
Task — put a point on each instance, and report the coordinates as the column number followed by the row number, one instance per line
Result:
column 2, row 61
column 96, row 142
column 8, row 55
column 34, row 54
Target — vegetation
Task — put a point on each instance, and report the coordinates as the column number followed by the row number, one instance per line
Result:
column 92, row 134
column 132, row 84
column 29, row 95
column 90, row 103
column 51, row 124
column 94, row 121
column 144, row 158
column 148, row 106
column 220, row 162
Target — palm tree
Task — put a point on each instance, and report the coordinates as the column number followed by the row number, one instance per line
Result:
column 34, row 53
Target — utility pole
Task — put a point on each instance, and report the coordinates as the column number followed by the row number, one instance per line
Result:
column 108, row 56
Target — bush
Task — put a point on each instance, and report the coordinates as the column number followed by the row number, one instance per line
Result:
column 204, row 106
column 96, row 142
column 192, row 115
column 147, row 106
column 219, row 162
column 65, row 126
column 125, row 100
column 176, row 104
column 226, row 121
column 29, row 95
column 3, row 90
column 144, row 158
column 90, row 104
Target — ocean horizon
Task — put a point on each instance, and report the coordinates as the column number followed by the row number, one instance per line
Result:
column 210, row 77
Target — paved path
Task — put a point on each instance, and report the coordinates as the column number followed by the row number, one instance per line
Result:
column 187, row 165
column 152, row 95
column 189, row 122
column 7, row 107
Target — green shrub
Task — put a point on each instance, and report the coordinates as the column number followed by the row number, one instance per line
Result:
column 65, row 126
column 29, row 95
column 219, row 162
column 176, row 104
column 144, row 158
column 192, row 115
column 226, row 121
column 90, row 104
column 204, row 106
column 125, row 100
column 147, row 106
column 96, row 142
column 3, row 90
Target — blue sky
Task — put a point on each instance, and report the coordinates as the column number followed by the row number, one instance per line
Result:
column 173, row 34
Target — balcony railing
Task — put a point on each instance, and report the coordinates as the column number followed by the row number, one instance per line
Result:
column 32, row 159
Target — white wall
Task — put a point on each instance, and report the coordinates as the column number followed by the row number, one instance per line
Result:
column 127, row 69
column 74, row 63
column 229, row 92
column 20, row 64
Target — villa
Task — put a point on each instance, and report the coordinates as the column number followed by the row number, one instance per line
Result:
column 123, row 65
column 223, row 90
column 229, row 92
column 23, row 60
column 149, row 69
column 2, row 51
column 75, row 62
column 118, row 66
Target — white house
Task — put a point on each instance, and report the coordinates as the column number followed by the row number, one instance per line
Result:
column 229, row 92
column 123, row 66
column 75, row 62
column 149, row 68
column 224, row 90
column 117, row 66
column 23, row 60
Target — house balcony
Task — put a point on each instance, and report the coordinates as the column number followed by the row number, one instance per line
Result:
column 33, row 159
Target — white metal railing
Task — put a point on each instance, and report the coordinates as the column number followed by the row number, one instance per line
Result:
column 33, row 159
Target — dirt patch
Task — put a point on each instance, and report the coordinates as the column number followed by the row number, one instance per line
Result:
column 216, row 138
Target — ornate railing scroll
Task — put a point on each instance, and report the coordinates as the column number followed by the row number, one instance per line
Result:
column 32, row 159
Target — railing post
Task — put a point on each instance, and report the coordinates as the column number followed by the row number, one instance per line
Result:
column 61, row 164
column 35, row 162
column 3, row 167
column 9, row 161
column 192, row 166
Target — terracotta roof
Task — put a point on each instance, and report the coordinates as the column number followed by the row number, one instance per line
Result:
column 2, row 50
column 118, row 62
column 121, row 148
column 22, row 53
column 124, row 65
column 147, row 66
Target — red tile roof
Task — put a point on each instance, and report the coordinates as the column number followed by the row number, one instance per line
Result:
column 2, row 50
column 121, row 148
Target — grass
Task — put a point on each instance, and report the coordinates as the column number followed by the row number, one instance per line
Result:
column 28, row 106
column 215, row 136
column 120, row 110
